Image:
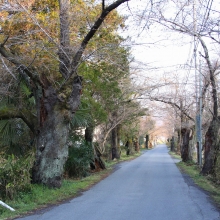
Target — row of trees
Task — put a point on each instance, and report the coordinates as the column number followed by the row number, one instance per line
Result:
column 200, row 24
column 64, row 68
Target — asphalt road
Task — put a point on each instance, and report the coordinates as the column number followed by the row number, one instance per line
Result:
column 148, row 188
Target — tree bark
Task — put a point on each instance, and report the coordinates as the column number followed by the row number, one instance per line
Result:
column 172, row 144
column 89, row 134
column 64, row 50
column 147, row 141
column 211, row 147
column 136, row 145
column 52, row 150
column 97, row 162
column 118, row 140
column 52, row 134
column 129, row 145
column 185, row 144
column 114, row 144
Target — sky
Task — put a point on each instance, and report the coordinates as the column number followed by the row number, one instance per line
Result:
column 156, row 50
column 156, row 46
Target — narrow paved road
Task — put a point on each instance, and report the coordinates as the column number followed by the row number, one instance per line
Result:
column 147, row 188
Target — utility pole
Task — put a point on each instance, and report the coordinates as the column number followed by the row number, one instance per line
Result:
column 200, row 114
column 198, row 93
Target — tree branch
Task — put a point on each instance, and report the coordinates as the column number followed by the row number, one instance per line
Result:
column 91, row 33
column 174, row 105
column 212, row 77
column 14, row 113
column 20, row 67
column 103, row 5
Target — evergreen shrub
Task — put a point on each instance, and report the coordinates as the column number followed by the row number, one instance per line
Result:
column 80, row 156
column 15, row 175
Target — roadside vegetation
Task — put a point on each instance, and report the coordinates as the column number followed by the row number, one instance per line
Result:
column 68, row 105
column 38, row 197
column 207, row 183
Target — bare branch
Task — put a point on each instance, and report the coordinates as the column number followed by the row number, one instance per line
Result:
column 14, row 113
column 20, row 67
column 6, row 67
column 174, row 105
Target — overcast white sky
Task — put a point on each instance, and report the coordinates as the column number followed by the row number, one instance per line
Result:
column 155, row 47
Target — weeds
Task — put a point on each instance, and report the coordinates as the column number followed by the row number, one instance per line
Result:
column 40, row 196
column 205, row 182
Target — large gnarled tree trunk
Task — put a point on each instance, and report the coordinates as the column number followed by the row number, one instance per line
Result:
column 53, row 134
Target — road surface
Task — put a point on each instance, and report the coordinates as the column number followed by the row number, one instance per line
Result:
column 148, row 188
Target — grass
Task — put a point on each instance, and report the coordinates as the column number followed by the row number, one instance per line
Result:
column 174, row 155
column 204, row 182
column 40, row 196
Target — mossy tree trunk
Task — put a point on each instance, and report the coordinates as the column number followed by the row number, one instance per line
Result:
column 52, row 150
column 136, row 145
column 53, row 133
column 129, row 146
column 211, row 147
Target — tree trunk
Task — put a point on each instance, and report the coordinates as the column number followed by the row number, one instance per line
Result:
column 185, row 144
column 53, row 133
column 136, row 145
column 97, row 162
column 64, row 50
column 89, row 139
column 129, row 145
column 147, row 141
column 89, row 134
column 179, row 141
column 118, row 140
column 172, row 144
column 114, row 143
column 211, row 147
column 52, row 150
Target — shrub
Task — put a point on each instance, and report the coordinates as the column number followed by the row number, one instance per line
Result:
column 15, row 175
column 80, row 157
